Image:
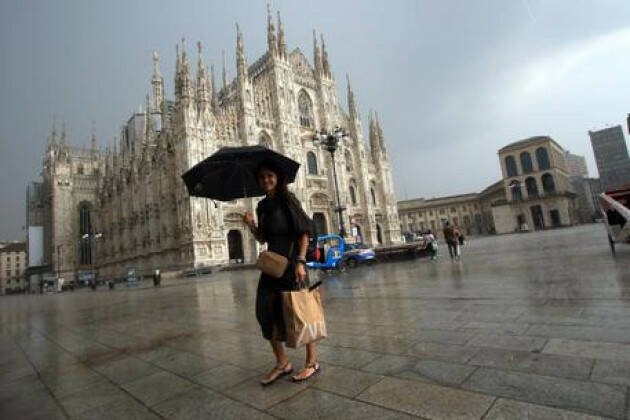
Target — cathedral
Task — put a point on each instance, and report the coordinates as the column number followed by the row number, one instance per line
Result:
column 109, row 210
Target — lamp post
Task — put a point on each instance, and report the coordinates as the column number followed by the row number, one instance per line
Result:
column 330, row 141
column 90, row 237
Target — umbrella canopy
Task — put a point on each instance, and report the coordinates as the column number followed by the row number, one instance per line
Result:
column 230, row 172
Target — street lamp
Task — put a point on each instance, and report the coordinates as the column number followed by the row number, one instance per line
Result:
column 330, row 141
column 89, row 237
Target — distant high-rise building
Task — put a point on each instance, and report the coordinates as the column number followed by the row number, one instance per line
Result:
column 611, row 156
column 576, row 165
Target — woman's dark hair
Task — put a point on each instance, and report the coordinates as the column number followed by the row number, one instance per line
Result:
column 270, row 165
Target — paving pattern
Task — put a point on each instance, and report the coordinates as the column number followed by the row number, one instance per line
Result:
column 529, row 326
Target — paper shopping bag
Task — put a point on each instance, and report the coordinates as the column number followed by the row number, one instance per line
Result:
column 303, row 317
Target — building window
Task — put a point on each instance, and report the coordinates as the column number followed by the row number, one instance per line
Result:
column 453, row 210
column 526, row 163
column 353, row 196
column 542, row 158
column 515, row 186
column 305, row 108
column 373, row 196
column 311, row 161
column 532, row 188
column 430, row 212
column 442, row 211
column 80, row 169
column 510, row 166
column 549, row 185
column 85, row 228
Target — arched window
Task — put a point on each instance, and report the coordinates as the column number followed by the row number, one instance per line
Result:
column 311, row 162
column 548, row 184
column 543, row 159
column 353, row 196
column 526, row 163
column 265, row 140
column 515, row 186
column 532, row 188
column 510, row 166
column 305, row 108
column 85, row 230
column 379, row 234
column 319, row 220
column 373, row 196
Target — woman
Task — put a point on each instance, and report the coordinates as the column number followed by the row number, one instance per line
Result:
column 284, row 226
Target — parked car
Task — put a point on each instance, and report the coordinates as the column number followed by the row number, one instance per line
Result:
column 358, row 253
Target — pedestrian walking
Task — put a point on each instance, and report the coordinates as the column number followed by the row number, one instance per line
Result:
column 451, row 239
column 157, row 278
column 431, row 244
column 284, row 226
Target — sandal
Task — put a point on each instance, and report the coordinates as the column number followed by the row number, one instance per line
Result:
column 276, row 373
column 316, row 368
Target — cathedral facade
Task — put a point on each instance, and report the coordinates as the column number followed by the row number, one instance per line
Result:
column 128, row 207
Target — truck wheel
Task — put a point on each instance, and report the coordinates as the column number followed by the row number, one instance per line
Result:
column 352, row 263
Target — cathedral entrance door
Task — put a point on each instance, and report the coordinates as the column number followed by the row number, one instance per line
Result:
column 320, row 223
column 235, row 246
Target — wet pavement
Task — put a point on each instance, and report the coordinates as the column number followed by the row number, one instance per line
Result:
column 532, row 326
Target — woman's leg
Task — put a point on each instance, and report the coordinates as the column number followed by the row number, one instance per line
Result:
column 311, row 360
column 278, row 351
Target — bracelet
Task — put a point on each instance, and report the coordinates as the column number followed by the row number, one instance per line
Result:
column 301, row 260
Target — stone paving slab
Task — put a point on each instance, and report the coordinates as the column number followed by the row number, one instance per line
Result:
column 509, row 342
column 256, row 395
column 611, row 372
column 205, row 404
column 612, row 351
column 510, row 410
column 599, row 399
column 91, row 396
column 313, row 404
column 343, row 381
column 124, row 408
column 444, row 352
column 430, row 371
column 540, row 363
column 614, row 335
column 427, row 401
column 157, row 387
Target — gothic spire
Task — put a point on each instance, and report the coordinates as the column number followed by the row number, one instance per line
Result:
column 203, row 88
column 158, row 83
column 187, row 84
column 352, row 107
column 379, row 130
column 317, row 56
column 241, row 61
column 178, row 71
column 64, row 138
column 213, row 84
column 325, row 63
column 373, row 134
column 282, row 43
column 148, row 124
column 94, row 145
column 271, row 34
column 53, row 136
column 224, row 72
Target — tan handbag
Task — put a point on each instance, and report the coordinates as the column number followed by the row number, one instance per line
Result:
column 272, row 263
column 303, row 317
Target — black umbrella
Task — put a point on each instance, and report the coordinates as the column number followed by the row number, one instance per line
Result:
column 230, row 172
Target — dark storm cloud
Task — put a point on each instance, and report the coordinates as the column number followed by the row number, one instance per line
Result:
column 452, row 81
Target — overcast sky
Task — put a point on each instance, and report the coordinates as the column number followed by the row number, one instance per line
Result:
column 453, row 81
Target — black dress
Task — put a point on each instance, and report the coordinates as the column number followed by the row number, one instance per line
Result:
column 281, row 221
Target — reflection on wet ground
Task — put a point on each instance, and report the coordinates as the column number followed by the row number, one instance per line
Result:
column 524, row 326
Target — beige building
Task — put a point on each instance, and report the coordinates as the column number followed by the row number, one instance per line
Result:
column 534, row 193
column 537, row 187
column 129, row 207
column 12, row 266
column 471, row 213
